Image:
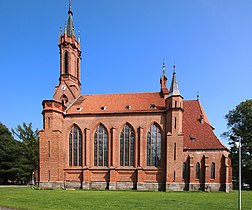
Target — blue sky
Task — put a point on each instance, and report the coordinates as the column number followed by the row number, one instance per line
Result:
column 123, row 46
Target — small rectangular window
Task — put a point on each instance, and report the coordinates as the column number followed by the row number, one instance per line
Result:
column 175, row 151
column 49, row 149
column 49, row 122
column 175, row 123
column 49, row 175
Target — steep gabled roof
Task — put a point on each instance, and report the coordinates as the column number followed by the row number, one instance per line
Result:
column 118, row 103
column 198, row 133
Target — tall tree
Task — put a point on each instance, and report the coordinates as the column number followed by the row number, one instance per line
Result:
column 239, row 123
column 29, row 159
column 10, row 151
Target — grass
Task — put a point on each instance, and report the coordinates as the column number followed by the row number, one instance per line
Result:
column 26, row 198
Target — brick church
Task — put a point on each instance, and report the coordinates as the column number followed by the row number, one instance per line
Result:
column 142, row 141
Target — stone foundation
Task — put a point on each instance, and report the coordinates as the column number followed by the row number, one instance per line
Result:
column 73, row 185
column 227, row 187
column 112, row 186
column 52, row 185
column 99, row 185
column 150, row 186
column 85, row 185
column 141, row 186
column 174, row 186
column 195, row 186
column 125, row 186
column 212, row 187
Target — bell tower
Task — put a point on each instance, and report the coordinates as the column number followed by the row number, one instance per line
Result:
column 69, row 87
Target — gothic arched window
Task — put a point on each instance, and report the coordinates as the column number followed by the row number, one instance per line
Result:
column 127, row 139
column 197, row 175
column 101, row 146
column 154, row 146
column 212, row 170
column 75, row 147
column 66, row 62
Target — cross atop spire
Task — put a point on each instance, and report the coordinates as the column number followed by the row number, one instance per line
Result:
column 163, row 70
column 174, row 68
column 70, row 25
column 70, row 7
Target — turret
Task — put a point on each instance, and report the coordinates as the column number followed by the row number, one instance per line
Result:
column 164, row 91
column 174, row 106
column 174, row 135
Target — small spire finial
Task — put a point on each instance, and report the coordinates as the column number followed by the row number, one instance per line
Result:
column 79, row 36
column 197, row 95
column 60, row 31
column 70, row 6
column 174, row 68
column 163, row 68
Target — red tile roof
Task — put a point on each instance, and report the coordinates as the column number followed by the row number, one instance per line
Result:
column 197, row 135
column 118, row 103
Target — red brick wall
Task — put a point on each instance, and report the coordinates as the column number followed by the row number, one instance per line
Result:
column 54, row 158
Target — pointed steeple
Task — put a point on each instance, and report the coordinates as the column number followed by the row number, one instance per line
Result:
column 70, row 25
column 174, row 89
column 69, row 87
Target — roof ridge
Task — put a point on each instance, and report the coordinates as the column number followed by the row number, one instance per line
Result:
column 133, row 93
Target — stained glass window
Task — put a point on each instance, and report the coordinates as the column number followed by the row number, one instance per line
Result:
column 154, row 146
column 75, row 147
column 101, row 146
column 127, row 139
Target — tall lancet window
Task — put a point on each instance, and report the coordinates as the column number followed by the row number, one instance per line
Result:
column 101, row 146
column 66, row 57
column 75, row 147
column 184, row 173
column 154, row 146
column 127, row 139
column 212, row 170
column 197, row 175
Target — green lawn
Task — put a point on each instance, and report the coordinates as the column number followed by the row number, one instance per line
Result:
column 26, row 198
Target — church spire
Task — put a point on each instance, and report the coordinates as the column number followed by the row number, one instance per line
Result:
column 69, row 87
column 70, row 25
column 174, row 89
